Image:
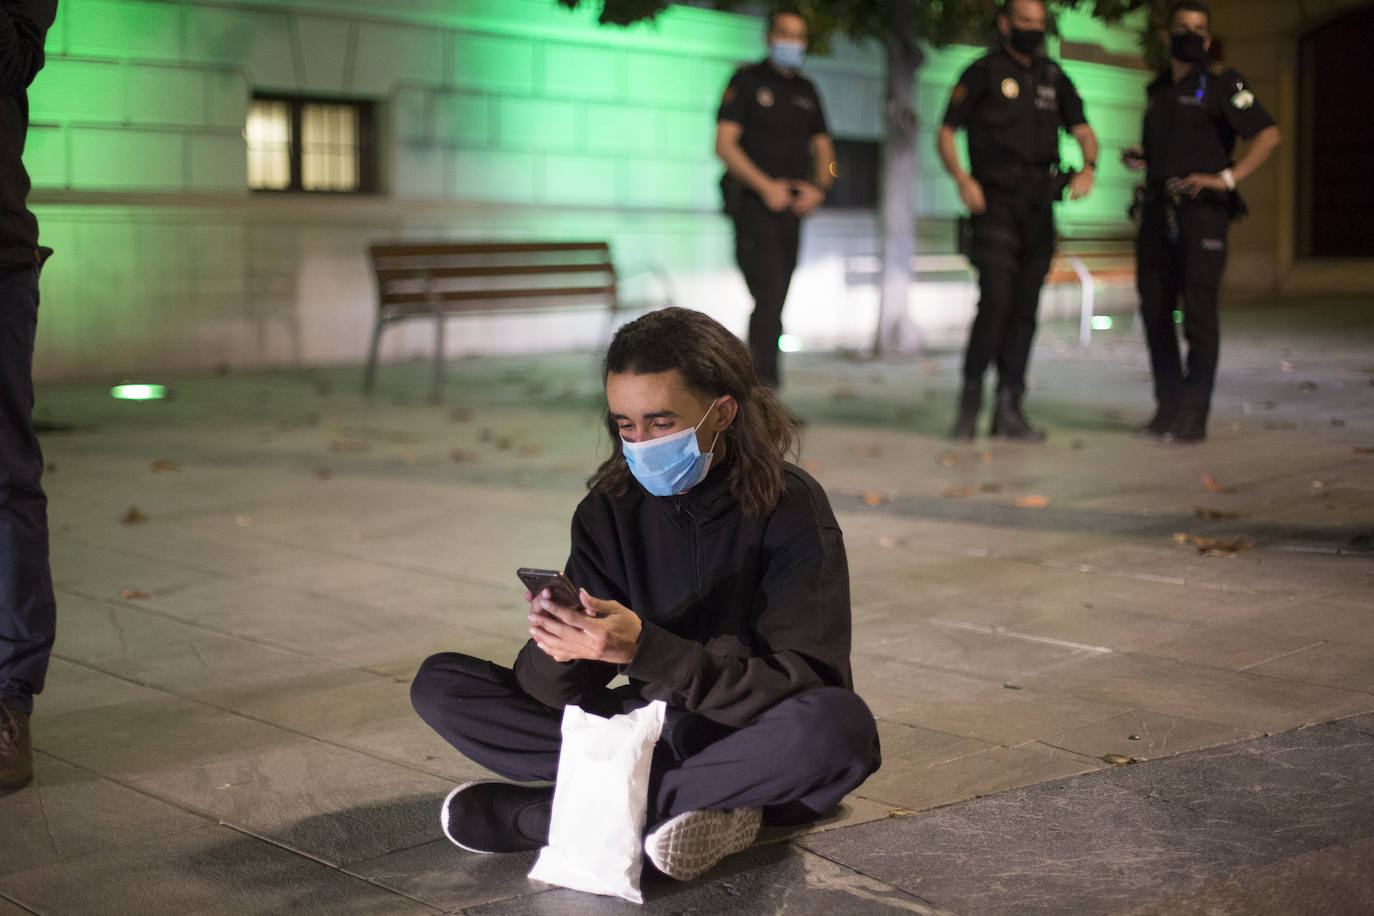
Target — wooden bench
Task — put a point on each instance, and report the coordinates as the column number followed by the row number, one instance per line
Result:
column 439, row 280
column 1088, row 260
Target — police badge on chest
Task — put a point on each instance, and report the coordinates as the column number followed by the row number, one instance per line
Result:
column 1045, row 99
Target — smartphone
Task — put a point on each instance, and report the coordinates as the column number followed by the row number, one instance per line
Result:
column 562, row 591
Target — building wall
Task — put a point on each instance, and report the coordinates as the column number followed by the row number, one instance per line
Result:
column 1262, row 43
column 499, row 119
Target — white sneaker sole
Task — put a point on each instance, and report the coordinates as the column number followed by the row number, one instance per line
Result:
column 690, row 844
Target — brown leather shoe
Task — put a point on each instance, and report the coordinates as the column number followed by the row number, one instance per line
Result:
column 16, row 752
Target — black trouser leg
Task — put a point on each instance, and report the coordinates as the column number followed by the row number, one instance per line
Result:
column 27, row 609
column 766, row 246
column 797, row 761
column 997, row 256
column 1157, row 274
column 1036, row 226
column 1202, row 250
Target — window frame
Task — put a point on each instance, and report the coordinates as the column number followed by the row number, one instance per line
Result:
column 367, row 141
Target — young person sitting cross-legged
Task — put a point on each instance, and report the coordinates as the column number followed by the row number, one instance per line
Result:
column 713, row 576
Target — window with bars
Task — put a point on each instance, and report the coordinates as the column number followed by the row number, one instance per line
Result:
column 304, row 144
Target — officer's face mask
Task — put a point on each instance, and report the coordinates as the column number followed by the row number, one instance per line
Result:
column 670, row 464
column 1189, row 47
column 1027, row 41
column 786, row 55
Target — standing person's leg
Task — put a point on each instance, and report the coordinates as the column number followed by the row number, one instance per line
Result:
column 1202, row 247
column 996, row 252
column 762, row 250
column 1036, row 227
column 1156, row 279
column 27, row 608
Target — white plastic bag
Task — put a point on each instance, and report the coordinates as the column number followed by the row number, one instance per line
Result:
column 597, row 824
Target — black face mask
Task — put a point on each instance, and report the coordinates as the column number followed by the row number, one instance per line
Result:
column 1027, row 41
column 1189, row 47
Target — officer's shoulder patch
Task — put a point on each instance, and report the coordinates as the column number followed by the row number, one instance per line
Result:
column 959, row 93
column 1216, row 68
column 729, row 95
column 1243, row 99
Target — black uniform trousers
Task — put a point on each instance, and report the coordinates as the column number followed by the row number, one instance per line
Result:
column 796, row 762
column 766, row 249
column 1188, row 265
column 27, row 609
column 1013, row 244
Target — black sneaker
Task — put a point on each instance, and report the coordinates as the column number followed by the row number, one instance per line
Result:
column 490, row 816
column 16, row 751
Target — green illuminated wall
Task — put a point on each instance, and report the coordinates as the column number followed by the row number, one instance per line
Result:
column 499, row 118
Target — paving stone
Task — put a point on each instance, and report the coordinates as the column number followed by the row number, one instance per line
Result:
column 67, row 813
column 1336, row 665
column 771, row 878
column 448, row 878
column 206, row 870
column 1237, row 646
column 1145, row 734
column 1337, row 879
column 1002, row 716
column 1238, row 699
column 1335, row 619
column 1308, row 788
column 1081, row 845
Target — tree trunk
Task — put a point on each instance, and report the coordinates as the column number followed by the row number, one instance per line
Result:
column 896, row 331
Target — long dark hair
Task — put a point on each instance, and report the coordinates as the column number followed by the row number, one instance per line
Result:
column 712, row 362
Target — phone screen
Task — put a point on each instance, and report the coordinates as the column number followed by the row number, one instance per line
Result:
column 562, row 590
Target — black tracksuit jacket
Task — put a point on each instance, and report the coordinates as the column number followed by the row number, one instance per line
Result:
column 23, row 26
column 738, row 613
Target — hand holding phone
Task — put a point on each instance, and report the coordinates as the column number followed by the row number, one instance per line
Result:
column 561, row 590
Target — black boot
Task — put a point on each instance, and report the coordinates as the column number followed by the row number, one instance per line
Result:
column 1161, row 422
column 1008, row 421
column 970, row 402
column 16, row 753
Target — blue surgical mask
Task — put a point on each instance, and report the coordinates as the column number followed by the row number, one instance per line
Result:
column 786, row 55
column 670, row 464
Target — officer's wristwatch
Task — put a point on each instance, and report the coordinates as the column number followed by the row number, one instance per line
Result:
column 1227, row 179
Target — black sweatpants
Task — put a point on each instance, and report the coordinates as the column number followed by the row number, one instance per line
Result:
column 797, row 761
column 1189, row 266
column 766, row 248
column 1013, row 243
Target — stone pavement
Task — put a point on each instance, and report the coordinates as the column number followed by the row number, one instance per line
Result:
column 250, row 572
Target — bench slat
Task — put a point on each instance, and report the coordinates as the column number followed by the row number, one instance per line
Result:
column 381, row 252
column 391, row 300
column 393, row 274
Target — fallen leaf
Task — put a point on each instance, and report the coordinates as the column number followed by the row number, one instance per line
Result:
column 162, row 464
column 1214, row 547
column 1270, row 405
column 530, row 450
column 1117, row 760
column 889, row 543
column 901, row 812
column 243, row 521
column 1076, row 444
column 1286, row 366
column 957, row 492
column 1317, row 484
column 844, row 394
column 1337, row 422
column 1364, row 449
column 874, row 499
column 1213, row 487
column 865, row 450
column 410, row 457
column 134, row 594
column 1307, row 386
column 459, row 415
column 323, row 473
column 990, row 487
column 985, row 457
column 1034, row 501
column 134, row 516
column 461, row 456
column 1213, row 514
column 348, row 446
column 948, row 459
column 1280, row 424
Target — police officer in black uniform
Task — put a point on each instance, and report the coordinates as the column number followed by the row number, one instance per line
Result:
column 771, row 135
column 1195, row 111
column 1012, row 103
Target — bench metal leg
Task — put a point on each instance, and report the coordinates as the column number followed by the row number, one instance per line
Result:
column 370, row 375
column 435, row 393
column 1085, row 318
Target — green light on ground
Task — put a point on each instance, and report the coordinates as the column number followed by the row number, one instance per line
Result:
column 789, row 343
column 138, row 392
column 1178, row 317
column 1102, row 323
